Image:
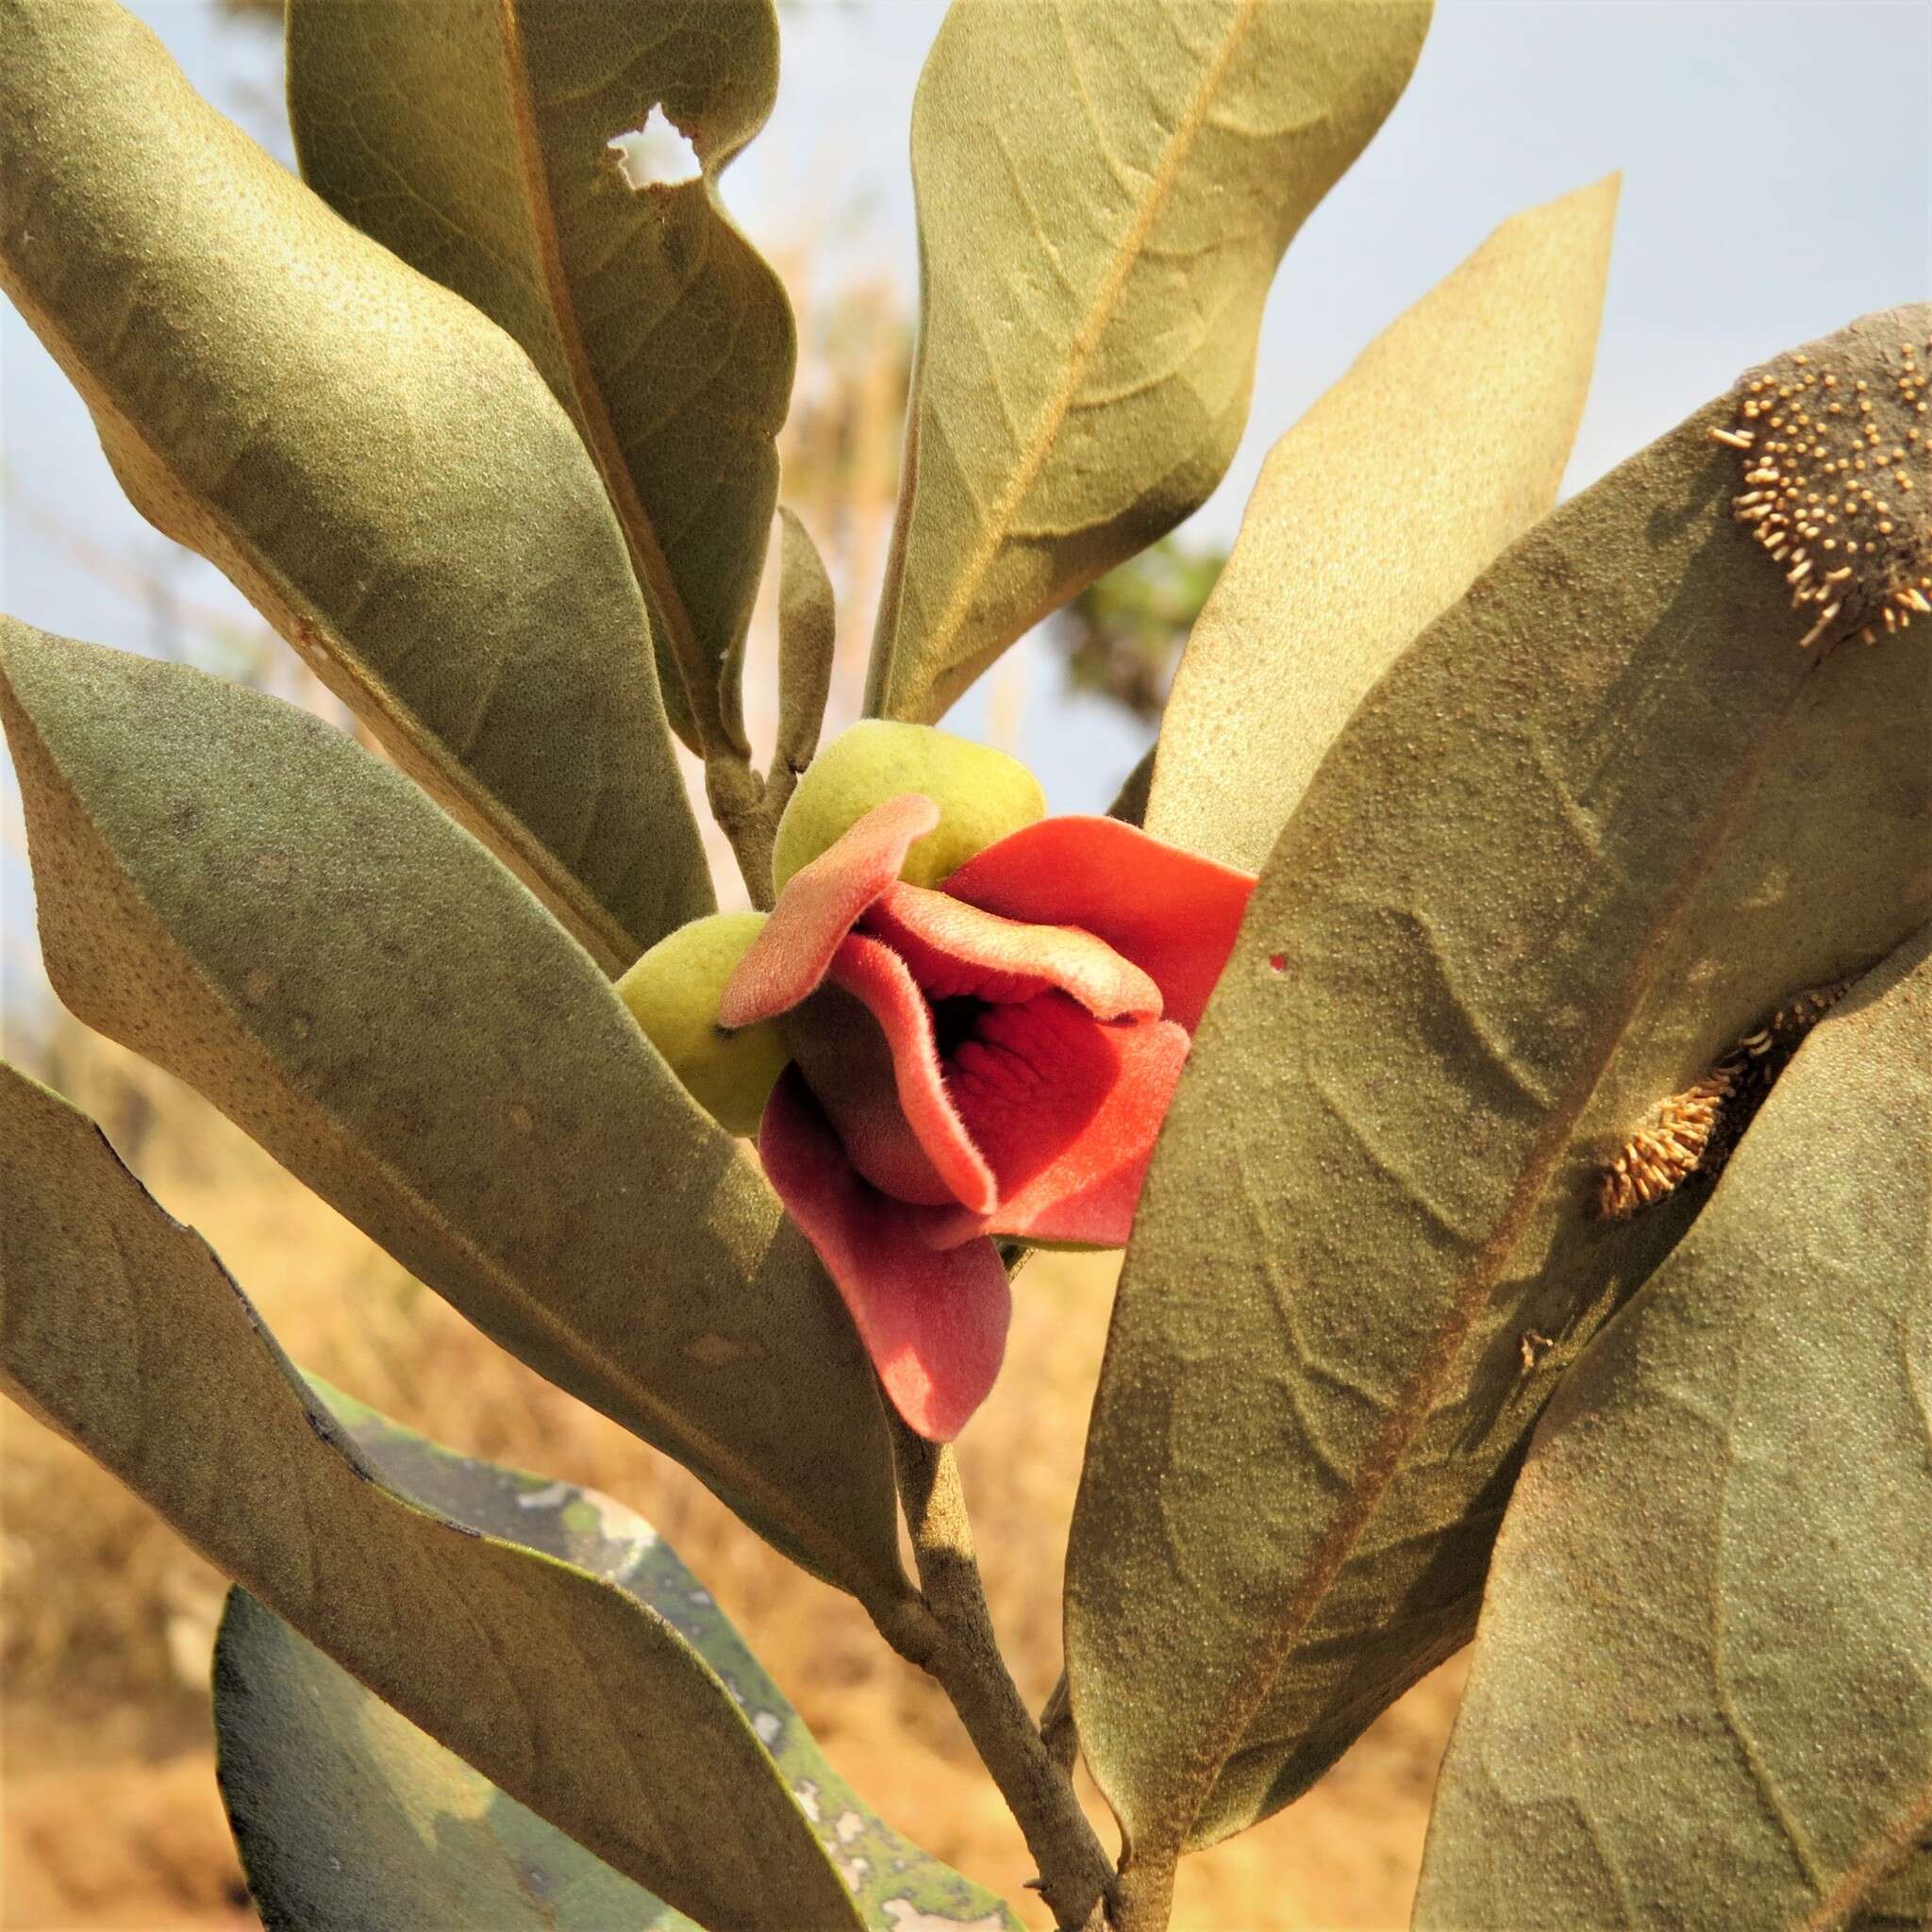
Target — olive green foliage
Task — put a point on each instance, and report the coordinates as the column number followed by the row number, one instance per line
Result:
column 1760, row 1627
column 285, row 1714
column 1552, row 809
column 1104, row 193
column 248, row 358
column 628, row 299
column 1605, row 777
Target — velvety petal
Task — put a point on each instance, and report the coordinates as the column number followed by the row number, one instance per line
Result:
column 1065, row 1109
column 819, row 907
column 955, row 951
column 934, row 1324
column 1172, row 912
column 865, row 1046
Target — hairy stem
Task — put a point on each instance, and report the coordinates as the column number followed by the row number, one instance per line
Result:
column 747, row 814
column 1075, row 1874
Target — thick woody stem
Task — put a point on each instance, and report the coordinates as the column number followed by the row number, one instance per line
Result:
column 1075, row 1875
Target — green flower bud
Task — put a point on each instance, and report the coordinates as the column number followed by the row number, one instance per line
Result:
column 982, row 795
column 672, row 992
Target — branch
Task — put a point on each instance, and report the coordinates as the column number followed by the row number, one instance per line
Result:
column 748, row 817
column 1077, row 1877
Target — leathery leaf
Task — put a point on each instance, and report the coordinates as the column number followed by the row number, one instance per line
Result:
column 251, row 900
column 1596, row 824
column 122, row 1331
column 659, row 327
column 1104, row 194
column 1438, row 448
column 350, row 1818
column 1727, row 1510
column 374, row 462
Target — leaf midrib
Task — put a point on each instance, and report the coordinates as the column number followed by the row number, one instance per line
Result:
column 592, row 411
column 1384, row 1454
column 1086, row 344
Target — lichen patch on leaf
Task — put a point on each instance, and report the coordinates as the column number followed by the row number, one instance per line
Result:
column 1694, row 1132
column 1837, row 453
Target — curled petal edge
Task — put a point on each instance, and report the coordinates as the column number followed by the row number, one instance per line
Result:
column 934, row 1323
column 1172, row 912
column 820, row 905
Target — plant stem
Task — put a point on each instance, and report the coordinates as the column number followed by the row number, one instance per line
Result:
column 748, row 817
column 1075, row 1875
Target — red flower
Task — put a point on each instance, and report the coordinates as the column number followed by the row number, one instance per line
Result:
column 991, row 1058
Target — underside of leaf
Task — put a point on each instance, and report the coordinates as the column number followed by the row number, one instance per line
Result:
column 375, row 464
column 1598, row 819
column 1702, row 1687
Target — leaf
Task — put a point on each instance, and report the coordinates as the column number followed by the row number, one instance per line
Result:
column 1702, row 1680
column 269, row 1734
column 1594, row 824
column 808, row 642
column 373, row 463
column 254, row 903
column 349, row 1818
column 1104, row 193
column 474, row 137
column 1438, row 448
column 121, row 1331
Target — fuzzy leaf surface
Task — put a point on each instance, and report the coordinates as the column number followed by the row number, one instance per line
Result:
column 1596, row 823
column 252, row 900
column 283, row 1709
column 374, row 463
column 472, row 136
column 1105, row 190
column 1702, row 1689
column 122, row 1331
column 1438, row 448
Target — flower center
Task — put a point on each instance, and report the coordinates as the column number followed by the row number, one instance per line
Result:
column 954, row 1020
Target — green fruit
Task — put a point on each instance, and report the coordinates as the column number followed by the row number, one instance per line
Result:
column 982, row 795
column 672, row 992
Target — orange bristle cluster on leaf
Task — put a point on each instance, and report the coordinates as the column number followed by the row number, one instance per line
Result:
column 1837, row 452
column 1694, row 1132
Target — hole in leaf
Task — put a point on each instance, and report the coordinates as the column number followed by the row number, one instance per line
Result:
column 657, row 155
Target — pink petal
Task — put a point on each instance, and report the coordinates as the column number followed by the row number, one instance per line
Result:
column 819, row 907
column 1065, row 1109
column 934, row 1324
column 865, row 1046
column 956, row 950
column 1170, row 913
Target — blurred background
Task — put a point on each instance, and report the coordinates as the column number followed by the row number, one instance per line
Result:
column 1760, row 209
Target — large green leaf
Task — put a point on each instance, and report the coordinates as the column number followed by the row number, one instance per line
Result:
column 374, row 463
column 1105, row 189
column 254, row 903
column 1599, row 818
column 283, row 1711
column 1702, row 1689
column 1441, row 445
column 124, row 1332
column 473, row 138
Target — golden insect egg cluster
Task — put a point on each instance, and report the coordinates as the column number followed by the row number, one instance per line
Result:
column 1694, row 1132
column 1837, row 453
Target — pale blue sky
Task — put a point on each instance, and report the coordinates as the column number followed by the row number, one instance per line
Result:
column 1777, row 181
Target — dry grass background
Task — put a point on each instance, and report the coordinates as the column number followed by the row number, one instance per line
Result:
column 108, row 1817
